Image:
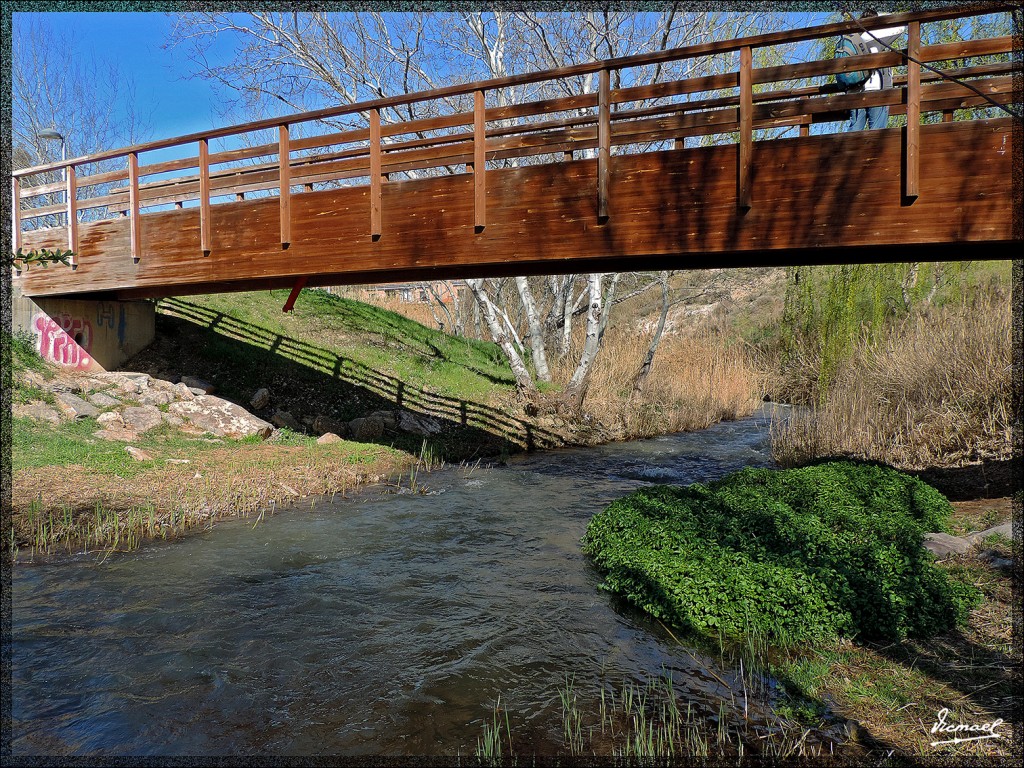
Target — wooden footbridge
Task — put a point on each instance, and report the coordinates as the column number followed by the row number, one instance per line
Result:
column 579, row 169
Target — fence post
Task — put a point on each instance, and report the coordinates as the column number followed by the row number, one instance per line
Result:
column 15, row 213
column 204, row 196
column 912, row 158
column 375, row 177
column 479, row 161
column 604, row 141
column 285, row 193
column 744, row 195
column 134, row 222
column 72, row 205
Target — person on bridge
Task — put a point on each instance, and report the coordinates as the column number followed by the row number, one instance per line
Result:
column 879, row 79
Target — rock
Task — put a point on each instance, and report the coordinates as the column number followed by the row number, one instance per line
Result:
column 995, row 559
column 324, row 424
column 103, row 400
column 114, row 433
column 183, row 392
column 418, row 424
column 369, row 428
column 387, row 418
column 194, row 383
column 942, row 545
column 1006, row 529
column 179, row 461
column 156, row 397
column 75, row 407
column 110, row 420
column 37, row 411
column 174, row 421
column 142, row 418
column 286, row 420
column 137, row 453
column 162, row 385
column 328, row 438
column 260, row 398
column 126, row 380
column 220, row 417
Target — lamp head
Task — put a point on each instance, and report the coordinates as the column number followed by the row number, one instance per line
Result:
column 50, row 133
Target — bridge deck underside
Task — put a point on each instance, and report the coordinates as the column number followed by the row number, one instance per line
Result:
column 815, row 199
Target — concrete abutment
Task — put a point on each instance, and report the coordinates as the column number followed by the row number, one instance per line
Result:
column 85, row 335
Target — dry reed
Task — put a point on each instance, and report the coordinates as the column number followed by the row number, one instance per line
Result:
column 696, row 380
column 937, row 391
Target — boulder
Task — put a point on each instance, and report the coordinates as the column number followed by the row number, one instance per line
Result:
column 194, row 383
column 137, row 453
column 221, row 417
column 942, row 545
column 37, row 411
column 182, row 392
column 260, row 398
column 174, row 421
column 156, row 397
column 388, row 418
column 286, row 420
column 142, row 418
column 75, row 407
column 103, row 400
column 110, row 420
column 418, row 424
column 324, row 424
column 126, row 381
column 366, row 429
column 328, row 438
column 115, row 432
column 1006, row 529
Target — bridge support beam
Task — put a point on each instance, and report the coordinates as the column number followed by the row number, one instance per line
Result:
column 85, row 335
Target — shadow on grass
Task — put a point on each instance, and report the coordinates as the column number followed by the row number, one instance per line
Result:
column 311, row 381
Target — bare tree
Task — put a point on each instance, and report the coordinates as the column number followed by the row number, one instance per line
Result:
column 294, row 61
column 54, row 87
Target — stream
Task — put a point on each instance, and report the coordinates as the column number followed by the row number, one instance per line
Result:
column 384, row 623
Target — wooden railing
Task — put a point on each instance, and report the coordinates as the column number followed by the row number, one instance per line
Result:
column 733, row 104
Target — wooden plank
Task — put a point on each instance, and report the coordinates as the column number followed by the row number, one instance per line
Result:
column 745, row 193
column 15, row 213
column 375, row 175
column 133, row 206
column 204, row 197
column 72, row 209
column 912, row 160
column 284, row 185
column 604, row 142
column 695, row 51
column 541, row 217
column 479, row 162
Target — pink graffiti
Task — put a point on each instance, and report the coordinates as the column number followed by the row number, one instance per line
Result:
column 65, row 340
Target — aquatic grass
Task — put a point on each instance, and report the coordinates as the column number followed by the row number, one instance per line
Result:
column 490, row 746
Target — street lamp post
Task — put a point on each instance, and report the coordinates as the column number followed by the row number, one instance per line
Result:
column 52, row 134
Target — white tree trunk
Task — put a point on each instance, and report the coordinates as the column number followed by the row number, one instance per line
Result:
column 578, row 383
column 540, row 357
column 645, row 367
column 524, row 382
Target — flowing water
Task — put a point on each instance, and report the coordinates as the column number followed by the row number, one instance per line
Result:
column 386, row 623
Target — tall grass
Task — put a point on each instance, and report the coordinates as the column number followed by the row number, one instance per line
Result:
column 935, row 391
column 696, row 380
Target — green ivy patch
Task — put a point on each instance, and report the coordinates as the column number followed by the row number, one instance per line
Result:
column 792, row 555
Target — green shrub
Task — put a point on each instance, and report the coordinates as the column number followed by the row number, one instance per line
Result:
column 793, row 555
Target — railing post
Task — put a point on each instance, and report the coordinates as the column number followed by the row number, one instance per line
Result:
column 604, row 141
column 912, row 158
column 744, row 193
column 134, row 223
column 479, row 162
column 285, row 194
column 72, row 205
column 15, row 213
column 375, row 177
column 204, row 196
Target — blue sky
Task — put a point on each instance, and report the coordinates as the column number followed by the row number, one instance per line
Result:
column 172, row 104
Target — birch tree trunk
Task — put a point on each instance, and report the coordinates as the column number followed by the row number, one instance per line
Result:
column 576, row 391
column 524, row 381
column 645, row 367
column 536, row 331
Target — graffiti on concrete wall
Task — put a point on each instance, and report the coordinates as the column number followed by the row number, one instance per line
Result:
column 65, row 340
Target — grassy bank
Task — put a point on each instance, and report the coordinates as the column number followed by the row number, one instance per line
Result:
column 821, row 569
